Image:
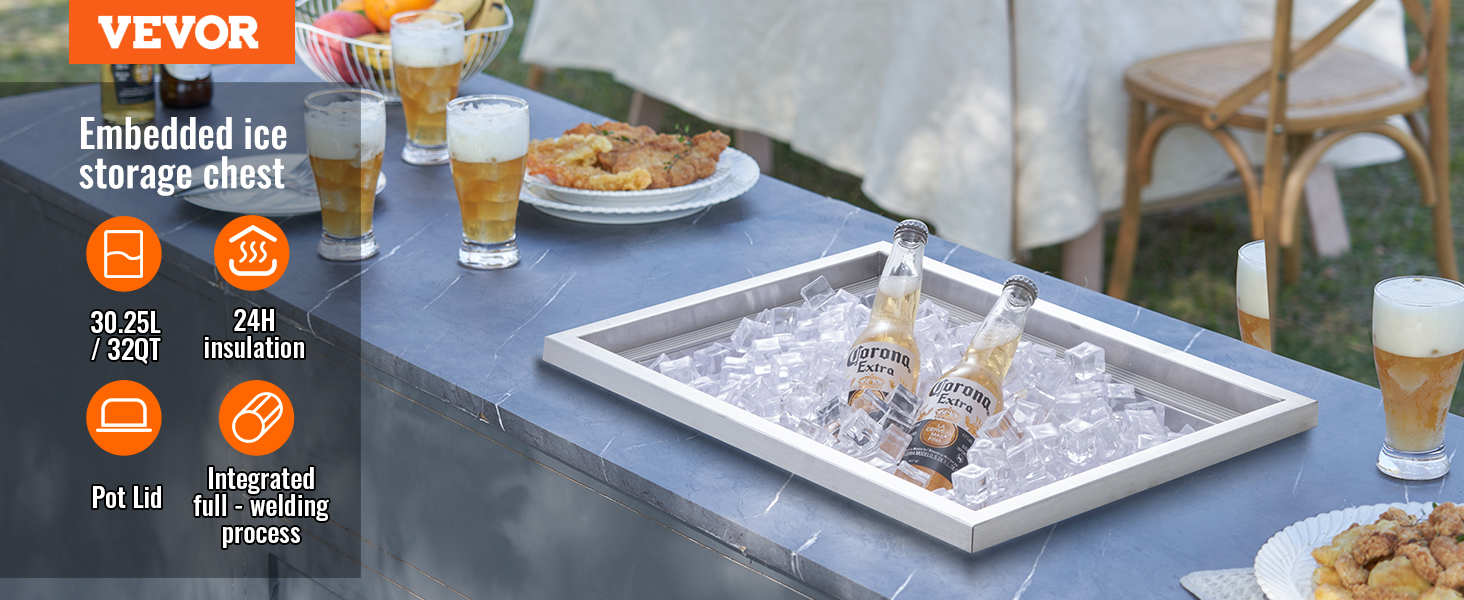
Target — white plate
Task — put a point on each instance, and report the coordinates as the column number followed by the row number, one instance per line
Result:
column 268, row 203
column 1284, row 565
column 742, row 174
column 730, row 160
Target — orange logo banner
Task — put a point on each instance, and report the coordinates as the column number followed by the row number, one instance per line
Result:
column 179, row 32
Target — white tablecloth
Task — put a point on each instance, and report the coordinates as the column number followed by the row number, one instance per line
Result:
column 1004, row 130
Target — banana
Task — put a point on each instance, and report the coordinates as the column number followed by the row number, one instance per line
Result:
column 492, row 15
column 467, row 8
column 377, row 60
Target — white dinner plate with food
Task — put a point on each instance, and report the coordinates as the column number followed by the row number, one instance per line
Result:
column 265, row 203
column 1284, row 565
column 730, row 160
column 742, row 174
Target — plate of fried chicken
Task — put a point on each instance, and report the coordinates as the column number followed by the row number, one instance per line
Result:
column 616, row 165
column 1396, row 551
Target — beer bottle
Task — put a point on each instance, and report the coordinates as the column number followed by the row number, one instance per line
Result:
column 954, row 408
column 127, row 91
column 885, row 355
column 186, row 86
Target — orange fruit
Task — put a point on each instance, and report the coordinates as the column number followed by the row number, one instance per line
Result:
column 380, row 11
column 352, row 6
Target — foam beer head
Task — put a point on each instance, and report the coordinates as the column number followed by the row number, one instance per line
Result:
column 1421, row 317
column 345, row 124
column 426, row 38
column 1250, row 281
column 482, row 129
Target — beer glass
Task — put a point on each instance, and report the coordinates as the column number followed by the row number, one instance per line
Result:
column 1418, row 345
column 345, row 135
column 427, row 58
column 1252, row 304
column 488, row 137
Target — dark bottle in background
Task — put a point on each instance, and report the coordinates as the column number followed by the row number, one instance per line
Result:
column 186, row 86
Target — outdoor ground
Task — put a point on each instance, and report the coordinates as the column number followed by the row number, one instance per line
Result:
column 1186, row 258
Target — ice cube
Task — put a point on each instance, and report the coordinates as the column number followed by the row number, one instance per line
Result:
column 1121, row 394
column 969, row 483
column 817, row 432
column 859, row 429
column 1184, row 431
column 892, row 444
column 915, row 475
column 708, row 360
column 747, row 331
column 1046, row 438
column 706, row 385
column 817, row 293
column 1024, row 458
column 679, row 369
column 1026, row 414
column 900, row 409
column 1079, row 441
column 1085, row 361
column 999, row 427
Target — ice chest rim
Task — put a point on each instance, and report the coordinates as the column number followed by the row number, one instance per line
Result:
column 1283, row 413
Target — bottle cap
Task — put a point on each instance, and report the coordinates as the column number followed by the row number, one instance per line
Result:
column 914, row 229
column 1023, row 282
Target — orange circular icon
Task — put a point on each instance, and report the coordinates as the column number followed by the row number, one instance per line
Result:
column 256, row 417
column 251, row 252
column 123, row 253
column 123, row 418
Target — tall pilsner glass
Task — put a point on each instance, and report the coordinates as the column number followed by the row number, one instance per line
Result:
column 1251, row 301
column 427, row 57
column 345, row 135
column 1418, row 344
column 488, row 137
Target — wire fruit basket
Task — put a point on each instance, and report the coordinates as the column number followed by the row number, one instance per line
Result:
column 364, row 64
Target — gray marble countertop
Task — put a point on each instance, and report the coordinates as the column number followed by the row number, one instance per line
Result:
column 474, row 339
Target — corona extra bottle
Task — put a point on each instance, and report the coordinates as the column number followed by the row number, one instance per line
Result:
column 958, row 403
column 128, row 92
column 885, row 356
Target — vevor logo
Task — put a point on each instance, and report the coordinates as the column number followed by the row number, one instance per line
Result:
column 178, row 31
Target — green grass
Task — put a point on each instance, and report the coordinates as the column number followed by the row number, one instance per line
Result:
column 1186, row 258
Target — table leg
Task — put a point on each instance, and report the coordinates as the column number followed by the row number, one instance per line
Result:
column 756, row 145
column 1082, row 259
column 1324, row 209
column 645, row 110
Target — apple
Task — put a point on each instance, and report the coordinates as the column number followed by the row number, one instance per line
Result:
column 347, row 25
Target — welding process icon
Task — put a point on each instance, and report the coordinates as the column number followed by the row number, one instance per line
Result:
column 256, row 417
column 251, row 252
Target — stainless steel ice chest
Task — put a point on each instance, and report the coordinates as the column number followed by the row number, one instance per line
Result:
column 1231, row 412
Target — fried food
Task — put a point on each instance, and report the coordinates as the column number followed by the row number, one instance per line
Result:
column 569, row 160
column 616, row 156
column 1397, row 575
column 1441, row 593
column 1397, row 557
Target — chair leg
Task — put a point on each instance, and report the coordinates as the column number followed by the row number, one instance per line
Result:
column 1128, row 225
column 1438, row 139
column 1291, row 254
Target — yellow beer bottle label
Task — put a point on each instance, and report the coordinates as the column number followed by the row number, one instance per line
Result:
column 950, row 414
column 877, row 368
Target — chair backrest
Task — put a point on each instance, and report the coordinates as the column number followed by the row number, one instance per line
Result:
column 1285, row 58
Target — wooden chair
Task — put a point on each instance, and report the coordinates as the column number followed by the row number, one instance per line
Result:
column 1308, row 97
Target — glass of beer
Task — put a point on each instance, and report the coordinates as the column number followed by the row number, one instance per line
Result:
column 488, row 137
column 427, row 57
column 1251, row 302
column 345, row 135
column 1418, row 345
